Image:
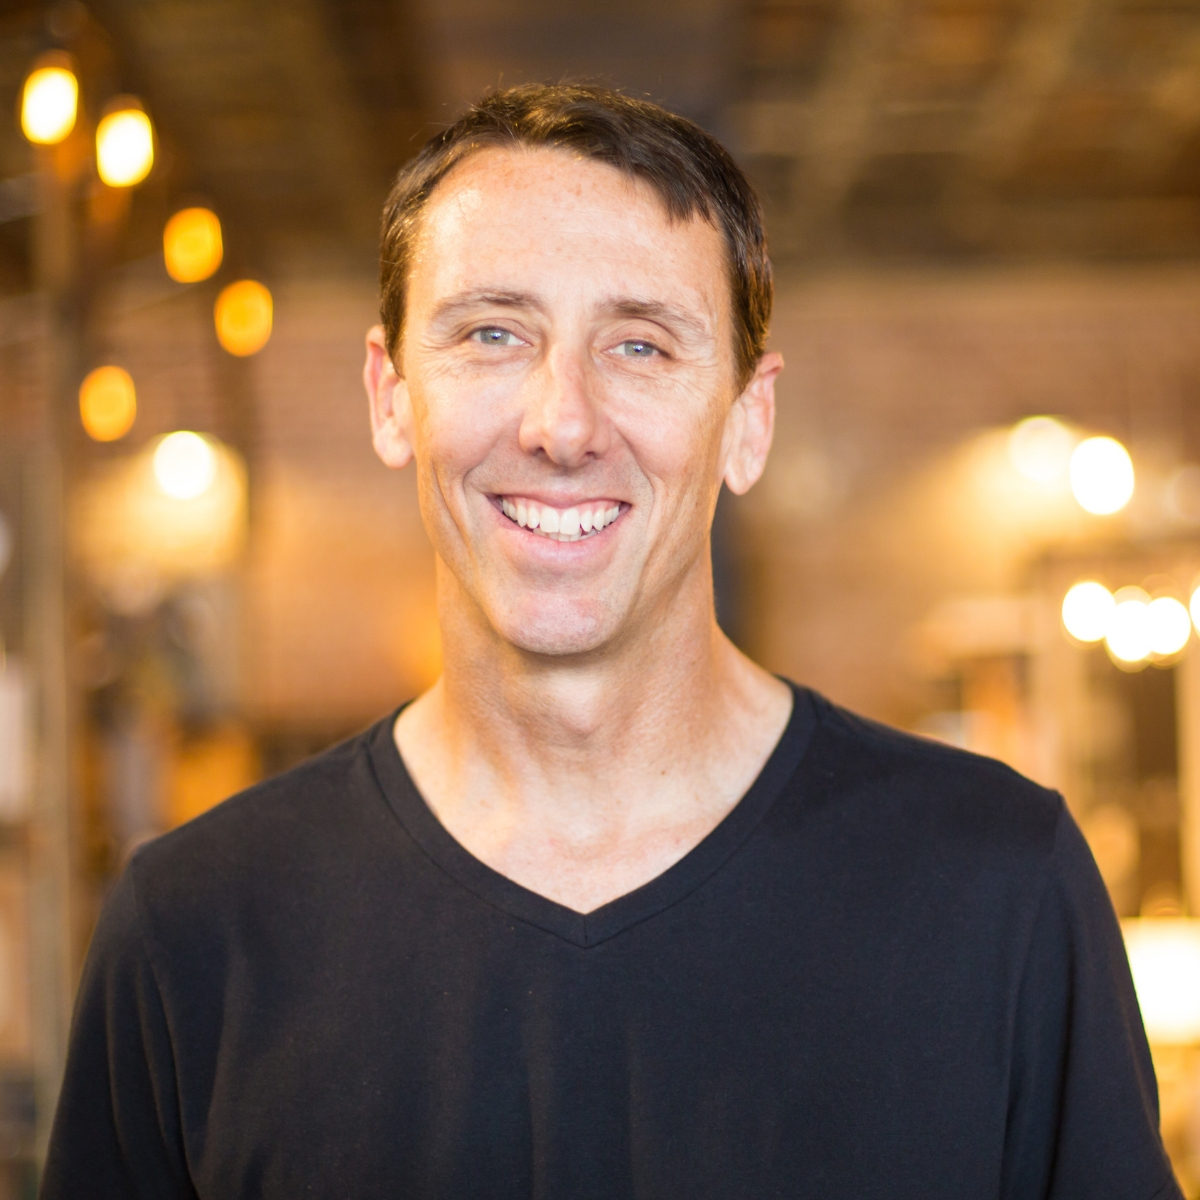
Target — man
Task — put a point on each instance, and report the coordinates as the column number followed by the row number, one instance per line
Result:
column 610, row 911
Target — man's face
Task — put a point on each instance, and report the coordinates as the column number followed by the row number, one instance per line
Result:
column 567, row 389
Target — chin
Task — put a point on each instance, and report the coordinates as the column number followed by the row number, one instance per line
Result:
column 561, row 634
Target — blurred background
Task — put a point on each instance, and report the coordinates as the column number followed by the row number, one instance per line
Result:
column 985, row 220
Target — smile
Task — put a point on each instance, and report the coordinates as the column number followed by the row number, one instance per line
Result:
column 560, row 524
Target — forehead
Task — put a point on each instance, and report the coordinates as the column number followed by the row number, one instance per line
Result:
column 525, row 210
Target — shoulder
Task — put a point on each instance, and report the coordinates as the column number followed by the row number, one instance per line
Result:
column 861, row 752
column 287, row 825
column 924, row 799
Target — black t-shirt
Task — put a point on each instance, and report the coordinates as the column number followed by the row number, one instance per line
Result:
column 891, row 972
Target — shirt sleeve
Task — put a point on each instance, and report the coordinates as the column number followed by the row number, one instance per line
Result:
column 1083, row 1107
column 117, row 1130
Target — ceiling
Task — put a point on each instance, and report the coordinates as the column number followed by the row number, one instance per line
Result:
column 879, row 131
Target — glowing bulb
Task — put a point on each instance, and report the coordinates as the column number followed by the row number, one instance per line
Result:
column 1101, row 475
column 1039, row 448
column 124, row 144
column 1128, row 638
column 243, row 316
column 107, row 403
column 1087, row 609
column 184, row 465
column 49, row 101
column 1170, row 626
column 192, row 248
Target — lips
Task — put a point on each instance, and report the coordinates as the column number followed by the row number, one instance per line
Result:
column 560, row 524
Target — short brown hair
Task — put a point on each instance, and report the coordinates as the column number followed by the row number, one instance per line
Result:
column 690, row 171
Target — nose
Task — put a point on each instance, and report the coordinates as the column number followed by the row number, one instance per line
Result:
column 563, row 416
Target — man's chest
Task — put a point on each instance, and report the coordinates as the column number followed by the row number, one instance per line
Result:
column 533, row 1069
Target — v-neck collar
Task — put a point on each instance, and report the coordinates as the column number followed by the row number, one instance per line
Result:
column 657, row 895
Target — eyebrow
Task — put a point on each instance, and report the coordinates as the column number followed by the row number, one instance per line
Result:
column 672, row 316
column 462, row 303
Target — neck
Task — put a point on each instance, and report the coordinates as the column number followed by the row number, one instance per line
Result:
column 643, row 728
column 582, row 776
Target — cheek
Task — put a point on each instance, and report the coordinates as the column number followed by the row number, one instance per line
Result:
column 678, row 447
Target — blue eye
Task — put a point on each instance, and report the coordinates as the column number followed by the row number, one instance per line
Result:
column 492, row 335
column 635, row 348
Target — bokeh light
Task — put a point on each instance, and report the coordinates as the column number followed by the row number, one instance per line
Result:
column 185, row 464
column 1128, row 637
column 1194, row 607
column 1087, row 609
column 1039, row 449
column 192, row 246
column 1170, row 626
column 1102, row 475
column 243, row 315
column 49, row 101
column 124, row 144
column 107, row 403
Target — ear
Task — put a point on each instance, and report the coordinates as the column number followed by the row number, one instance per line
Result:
column 387, row 396
column 750, row 426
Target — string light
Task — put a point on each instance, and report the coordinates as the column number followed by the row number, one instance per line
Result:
column 107, row 403
column 185, row 464
column 1170, row 626
column 1128, row 637
column 243, row 315
column 50, row 100
column 1101, row 475
column 192, row 245
column 1087, row 609
column 124, row 144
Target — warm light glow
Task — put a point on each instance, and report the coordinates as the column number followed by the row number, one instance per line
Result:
column 1039, row 448
column 192, row 248
column 1101, row 475
column 243, row 315
column 1164, row 954
column 185, row 465
column 1128, row 637
column 1170, row 626
column 49, row 101
column 124, row 144
column 1087, row 609
column 107, row 403
column 138, row 523
column 1194, row 607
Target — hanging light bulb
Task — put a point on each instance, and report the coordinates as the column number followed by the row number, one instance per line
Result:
column 243, row 317
column 192, row 247
column 1087, row 609
column 107, row 403
column 1169, row 626
column 185, row 464
column 50, row 100
column 124, row 143
column 1128, row 638
column 1101, row 475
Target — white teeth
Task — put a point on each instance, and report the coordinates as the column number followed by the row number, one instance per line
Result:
column 569, row 525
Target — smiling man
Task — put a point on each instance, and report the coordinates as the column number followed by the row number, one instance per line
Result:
column 610, row 911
